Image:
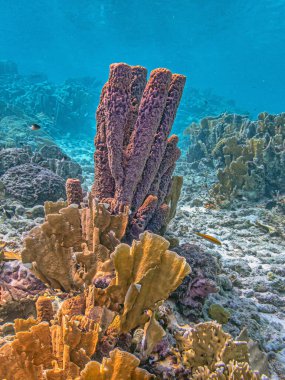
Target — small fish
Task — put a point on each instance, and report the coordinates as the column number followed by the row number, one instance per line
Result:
column 11, row 255
column 209, row 238
column 3, row 244
column 35, row 127
column 210, row 206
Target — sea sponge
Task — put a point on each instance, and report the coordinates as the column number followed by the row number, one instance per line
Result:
column 134, row 152
column 73, row 190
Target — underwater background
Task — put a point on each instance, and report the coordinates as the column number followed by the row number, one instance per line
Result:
column 193, row 161
column 234, row 49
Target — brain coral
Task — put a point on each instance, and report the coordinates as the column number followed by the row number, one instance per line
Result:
column 32, row 184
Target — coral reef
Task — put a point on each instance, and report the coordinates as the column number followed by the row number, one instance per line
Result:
column 32, row 184
column 105, row 312
column 64, row 342
column 135, row 158
column 17, row 286
column 61, row 108
column 70, row 246
column 131, row 283
column 202, row 281
column 250, row 259
column 249, row 154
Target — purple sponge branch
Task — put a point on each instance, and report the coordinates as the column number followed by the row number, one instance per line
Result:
column 172, row 153
column 117, row 106
column 158, row 148
column 104, row 185
column 150, row 113
column 143, row 216
column 74, row 194
column 159, row 219
column 138, row 83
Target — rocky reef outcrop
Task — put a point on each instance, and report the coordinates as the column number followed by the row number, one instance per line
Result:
column 34, row 177
column 61, row 108
column 249, row 155
column 202, row 281
column 32, row 184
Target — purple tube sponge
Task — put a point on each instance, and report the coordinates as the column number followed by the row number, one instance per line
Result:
column 134, row 157
column 138, row 84
column 143, row 216
column 160, row 142
column 104, row 185
column 117, row 105
column 149, row 117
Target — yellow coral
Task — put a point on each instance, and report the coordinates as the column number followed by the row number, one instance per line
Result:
column 206, row 344
column 146, row 274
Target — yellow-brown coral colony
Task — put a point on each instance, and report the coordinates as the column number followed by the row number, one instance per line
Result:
column 125, row 287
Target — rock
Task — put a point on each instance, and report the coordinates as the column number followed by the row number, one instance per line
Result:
column 248, row 293
column 270, row 298
column 53, row 158
column 197, row 202
column 240, row 266
column 268, row 309
column 20, row 210
column 37, row 211
column 224, row 282
column 279, row 285
column 32, row 184
column 219, row 314
column 261, row 286
column 13, row 157
column 202, row 281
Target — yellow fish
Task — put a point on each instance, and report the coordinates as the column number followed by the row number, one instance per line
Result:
column 210, row 238
column 10, row 255
column 2, row 244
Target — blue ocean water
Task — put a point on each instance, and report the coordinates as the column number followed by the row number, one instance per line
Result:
column 232, row 48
